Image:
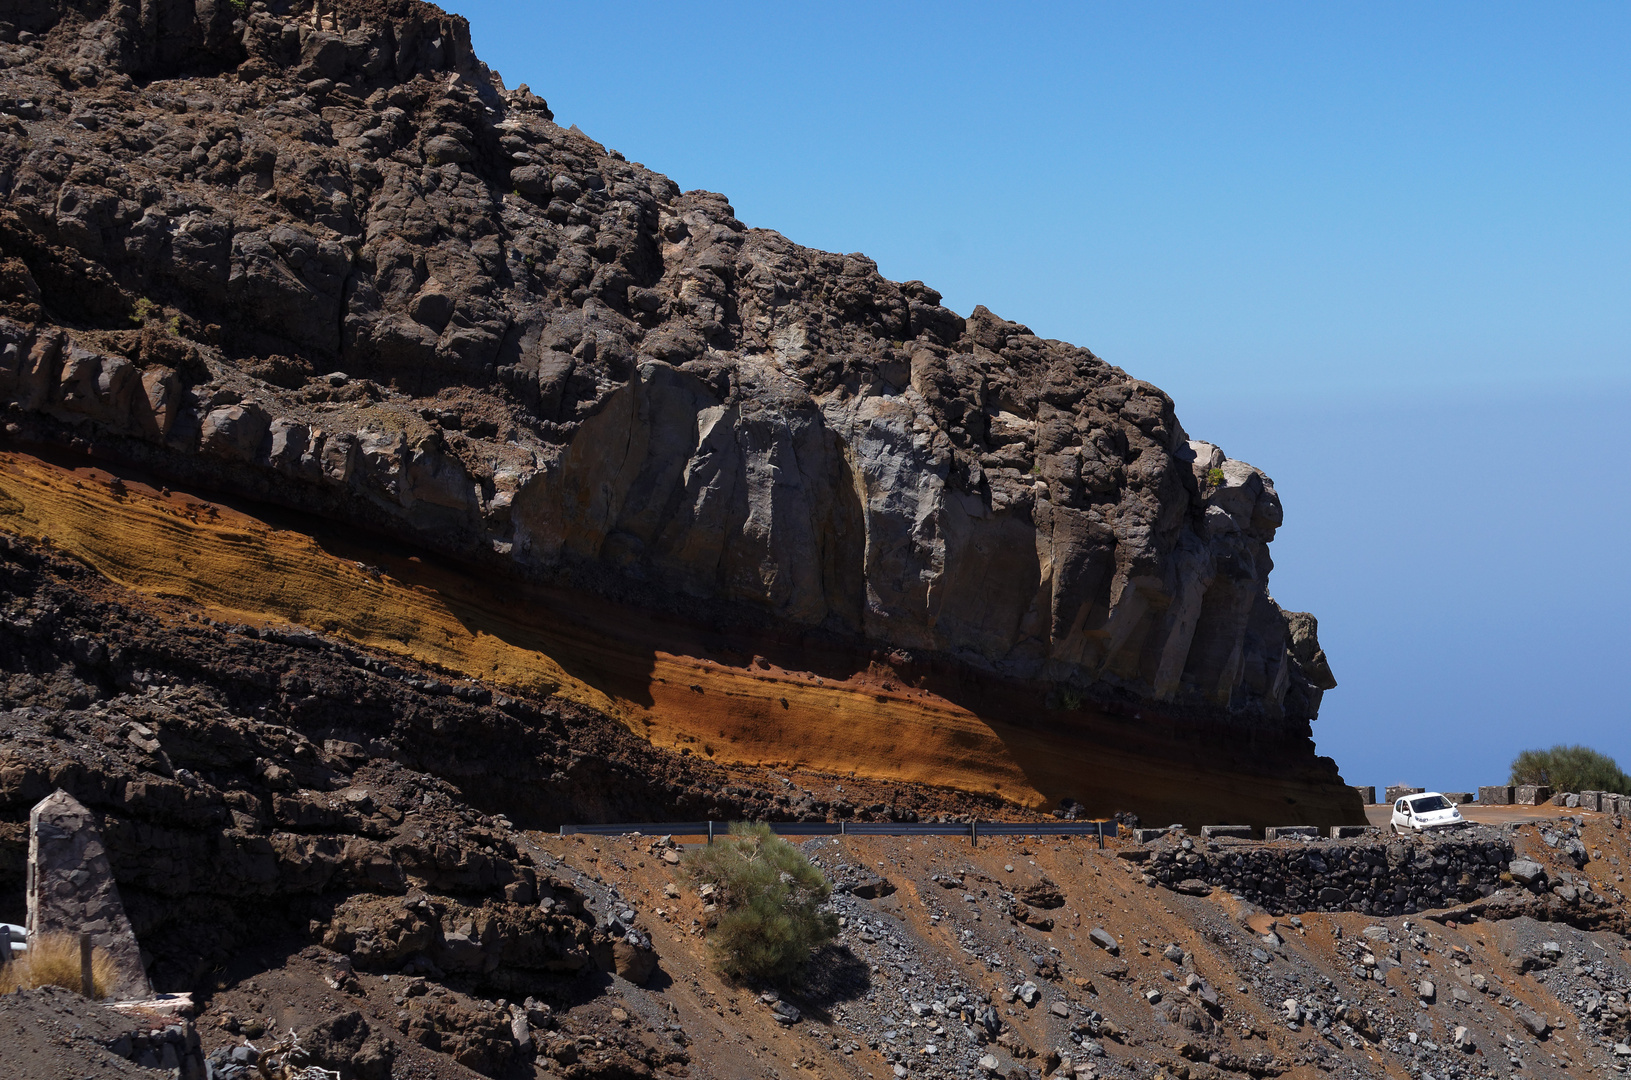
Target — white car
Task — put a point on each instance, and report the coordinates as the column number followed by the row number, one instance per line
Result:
column 1429, row 810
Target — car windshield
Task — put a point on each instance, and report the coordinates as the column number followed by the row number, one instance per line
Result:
column 1429, row 804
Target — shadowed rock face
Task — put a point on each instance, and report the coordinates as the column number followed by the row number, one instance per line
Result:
column 343, row 268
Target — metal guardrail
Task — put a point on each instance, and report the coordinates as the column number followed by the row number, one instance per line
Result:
column 971, row 829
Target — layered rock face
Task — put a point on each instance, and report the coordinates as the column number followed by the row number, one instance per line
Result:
column 247, row 783
column 336, row 264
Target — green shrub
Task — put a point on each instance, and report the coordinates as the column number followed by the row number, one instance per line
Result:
column 145, row 310
column 1570, row 768
column 1215, row 477
column 770, row 900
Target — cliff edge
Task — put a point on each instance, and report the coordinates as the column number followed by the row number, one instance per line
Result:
column 334, row 265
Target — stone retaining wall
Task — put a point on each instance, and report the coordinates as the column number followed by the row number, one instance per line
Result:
column 1603, row 802
column 1398, row 877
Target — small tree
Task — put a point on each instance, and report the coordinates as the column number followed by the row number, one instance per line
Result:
column 1570, row 768
column 770, row 899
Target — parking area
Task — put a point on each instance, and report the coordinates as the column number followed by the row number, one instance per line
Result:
column 1382, row 813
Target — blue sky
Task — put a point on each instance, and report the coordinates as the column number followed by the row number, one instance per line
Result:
column 1381, row 251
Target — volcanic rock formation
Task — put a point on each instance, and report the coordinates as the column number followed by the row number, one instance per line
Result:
column 334, row 264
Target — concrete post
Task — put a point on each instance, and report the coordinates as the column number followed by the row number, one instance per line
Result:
column 71, row 889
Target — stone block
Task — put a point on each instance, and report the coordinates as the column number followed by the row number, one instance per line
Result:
column 1399, row 791
column 1571, row 801
column 1498, row 795
column 1562, row 798
column 1532, row 795
column 1145, row 836
column 1353, row 832
column 1590, row 800
column 1367, row 795
column 1526, row 871
column 1460, row 798
column 1290, row 832
column 71, row 888
column 1236, row 832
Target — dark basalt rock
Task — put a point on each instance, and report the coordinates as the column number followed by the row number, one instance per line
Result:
column 338, row 265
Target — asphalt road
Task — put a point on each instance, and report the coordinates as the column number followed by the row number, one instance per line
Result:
column 1382, row 813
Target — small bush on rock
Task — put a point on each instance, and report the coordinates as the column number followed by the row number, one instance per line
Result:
column 1570, row 768
column 770, row 899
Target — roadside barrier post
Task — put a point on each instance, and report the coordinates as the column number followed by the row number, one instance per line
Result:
column 973, row 834
column 710, row 832
column 87, row 985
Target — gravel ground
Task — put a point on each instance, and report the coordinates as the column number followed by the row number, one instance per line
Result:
column 56, row 1033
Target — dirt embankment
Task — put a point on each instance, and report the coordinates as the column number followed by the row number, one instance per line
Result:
column 1015, row 958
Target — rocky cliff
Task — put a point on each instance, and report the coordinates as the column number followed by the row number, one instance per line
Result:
column 333, row 264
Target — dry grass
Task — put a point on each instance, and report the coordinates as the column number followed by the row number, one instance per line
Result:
column 53, row 960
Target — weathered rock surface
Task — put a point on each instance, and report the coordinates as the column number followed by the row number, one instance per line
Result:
column 251, row 782
column 348, row 270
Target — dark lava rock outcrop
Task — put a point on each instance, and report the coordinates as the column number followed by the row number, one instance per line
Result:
column 339, row 266
column 255, row 783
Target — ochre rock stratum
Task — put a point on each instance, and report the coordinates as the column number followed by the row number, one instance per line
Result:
column 752, row 498
column 694, row 690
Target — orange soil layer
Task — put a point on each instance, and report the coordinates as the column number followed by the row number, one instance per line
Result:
column 242, row 567
column 262, row 566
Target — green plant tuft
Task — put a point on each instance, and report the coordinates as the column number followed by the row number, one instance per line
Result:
column 1215, row 477
column 1066, row 699
column 771, row 903
column 1570, row 768
column 145, row 310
